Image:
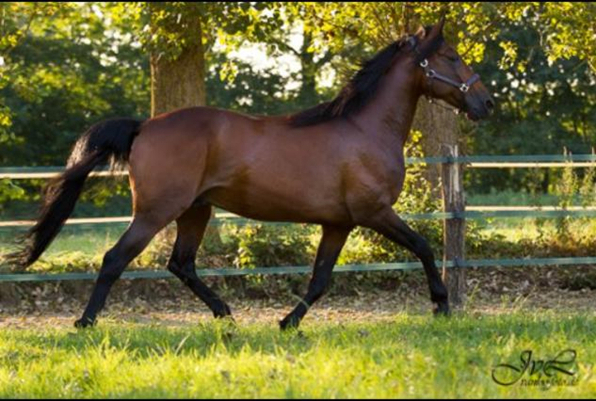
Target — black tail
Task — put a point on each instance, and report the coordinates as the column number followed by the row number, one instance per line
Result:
column 107, row 141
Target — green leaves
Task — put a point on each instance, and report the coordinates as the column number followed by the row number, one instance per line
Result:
column 72, row 68
column 166, row 28
column 509, row 54
column 65, row 65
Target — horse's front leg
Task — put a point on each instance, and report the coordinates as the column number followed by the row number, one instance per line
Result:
column 330, row 246
column 390, row 225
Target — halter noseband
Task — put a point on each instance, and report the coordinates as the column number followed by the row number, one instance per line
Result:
column 432, row 74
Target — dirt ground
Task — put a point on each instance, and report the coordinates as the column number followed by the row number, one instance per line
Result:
column 353, row 297
column 363, row 307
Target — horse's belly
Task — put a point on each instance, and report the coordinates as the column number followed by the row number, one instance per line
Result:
column 274, row 204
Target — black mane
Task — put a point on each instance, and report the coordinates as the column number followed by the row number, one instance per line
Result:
column 362, row 87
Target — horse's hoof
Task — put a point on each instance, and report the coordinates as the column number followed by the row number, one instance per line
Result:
column 223, row 311
column 442, row 309
column 289, row 322
column 83, row 323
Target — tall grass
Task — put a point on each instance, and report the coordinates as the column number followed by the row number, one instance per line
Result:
column 409, row 356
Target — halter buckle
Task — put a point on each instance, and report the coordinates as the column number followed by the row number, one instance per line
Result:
column 464, row 88
column 430, row 73
column 424, row 63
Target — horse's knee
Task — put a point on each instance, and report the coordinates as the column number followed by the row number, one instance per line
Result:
column 422, row 249
column 110, row 257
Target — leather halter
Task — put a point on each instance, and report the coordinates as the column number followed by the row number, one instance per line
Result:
column 432, row 74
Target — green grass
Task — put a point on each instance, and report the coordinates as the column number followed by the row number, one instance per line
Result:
column 513, row 198
column 408, row 356
column 88, row 239
column 73, row 249
column 531, row 228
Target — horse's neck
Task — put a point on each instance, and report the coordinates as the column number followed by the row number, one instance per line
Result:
column 390, row 113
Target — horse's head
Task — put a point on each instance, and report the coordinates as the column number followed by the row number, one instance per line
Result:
column 445, row 76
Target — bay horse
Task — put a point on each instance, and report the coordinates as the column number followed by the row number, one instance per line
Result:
column 339, row 164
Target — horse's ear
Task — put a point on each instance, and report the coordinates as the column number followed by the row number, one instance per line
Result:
column 437, row 30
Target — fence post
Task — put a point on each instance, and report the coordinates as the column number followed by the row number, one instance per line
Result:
column 454, row 229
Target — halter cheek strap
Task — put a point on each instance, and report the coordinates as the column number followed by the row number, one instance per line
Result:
column 432, row 74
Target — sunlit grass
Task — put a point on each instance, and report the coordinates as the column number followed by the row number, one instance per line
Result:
column 514, row 198
column 515, row 228
column 410, row 356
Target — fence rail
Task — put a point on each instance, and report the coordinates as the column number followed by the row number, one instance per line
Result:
column 470, row 212
column 157, row 274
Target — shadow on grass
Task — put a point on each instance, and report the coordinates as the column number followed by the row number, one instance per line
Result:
column 425, row 333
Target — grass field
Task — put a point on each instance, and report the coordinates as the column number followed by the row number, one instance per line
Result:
column 512, row 198
column 406, row 354
column 409, row 355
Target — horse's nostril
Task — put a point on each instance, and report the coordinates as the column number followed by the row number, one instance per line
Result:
column 489, row 104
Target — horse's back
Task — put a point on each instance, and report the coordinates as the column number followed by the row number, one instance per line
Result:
column 258, row 167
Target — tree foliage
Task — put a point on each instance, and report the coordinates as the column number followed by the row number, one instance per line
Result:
column 537, row 58
column 64, row 66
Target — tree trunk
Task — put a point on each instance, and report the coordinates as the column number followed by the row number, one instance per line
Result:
column 439, row 127
column 308, row 95
column 180, row 82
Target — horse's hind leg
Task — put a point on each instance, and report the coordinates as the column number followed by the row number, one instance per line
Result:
column 191, row 227
column 132, row 243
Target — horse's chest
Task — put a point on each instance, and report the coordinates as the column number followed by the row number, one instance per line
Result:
column 386, row 173
column 371, row 183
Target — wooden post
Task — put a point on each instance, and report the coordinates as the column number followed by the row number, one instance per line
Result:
column 454, row 231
